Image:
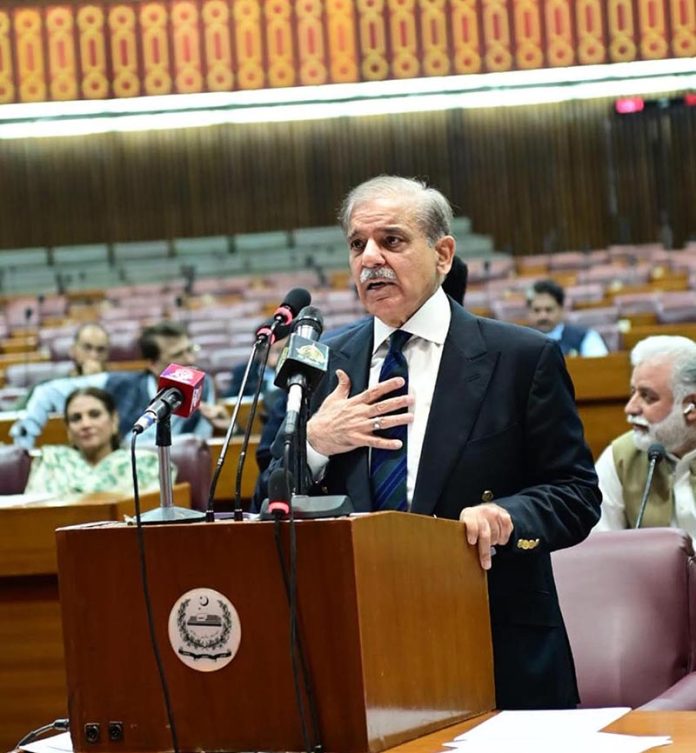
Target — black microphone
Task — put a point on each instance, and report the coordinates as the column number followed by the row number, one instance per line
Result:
column 283, row 316
column 302, row 364
column 656, row 452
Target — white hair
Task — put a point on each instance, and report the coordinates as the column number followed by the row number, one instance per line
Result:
column 433, row 211
column 678, row 350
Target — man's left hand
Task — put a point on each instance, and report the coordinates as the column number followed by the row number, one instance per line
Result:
column 486, row 525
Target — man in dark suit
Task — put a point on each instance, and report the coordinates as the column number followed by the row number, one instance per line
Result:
column 161, row 344
column 493, row 437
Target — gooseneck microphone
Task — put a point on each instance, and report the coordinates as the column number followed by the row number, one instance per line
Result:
column 656, row 452
column 302, row 363
column 283, row 317
column 180, row 391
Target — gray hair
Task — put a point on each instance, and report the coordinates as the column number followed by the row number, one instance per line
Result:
column 433, row 211
column 680, row 351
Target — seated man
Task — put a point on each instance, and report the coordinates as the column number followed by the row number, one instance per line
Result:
column 661, row 409
column 89, row 353
column 545, row 304
column 160, row 344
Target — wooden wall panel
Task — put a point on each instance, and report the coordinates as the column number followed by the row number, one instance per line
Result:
column 533, row 177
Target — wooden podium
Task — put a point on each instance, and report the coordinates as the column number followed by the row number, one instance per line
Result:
column 393, row 611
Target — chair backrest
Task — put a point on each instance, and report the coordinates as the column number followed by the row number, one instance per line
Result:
column 31, row 373
column 15, row 464
column 627, row 599
column 191, row 456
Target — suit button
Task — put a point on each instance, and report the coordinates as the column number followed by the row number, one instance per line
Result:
column 487, row 496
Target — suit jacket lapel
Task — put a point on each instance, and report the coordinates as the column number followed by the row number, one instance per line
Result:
column 465, row 371
column 354, row 357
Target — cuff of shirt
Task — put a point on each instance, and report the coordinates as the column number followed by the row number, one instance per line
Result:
column 317, row 463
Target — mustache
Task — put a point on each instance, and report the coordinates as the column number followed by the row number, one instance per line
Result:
column 383, row 273
column 638, row 421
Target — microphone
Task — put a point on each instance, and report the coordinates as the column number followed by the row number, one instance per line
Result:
column 295, row 300
column 180, row 391
column 302, row 364
column 656, row 452
column 266, row 335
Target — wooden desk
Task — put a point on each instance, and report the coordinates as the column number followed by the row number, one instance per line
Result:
column 602, row 388
column 225, row 487
column 32, row 672
column 680, row 725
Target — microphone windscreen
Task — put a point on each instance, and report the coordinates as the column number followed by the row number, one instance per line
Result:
column 278, row 490
column 310, row 316
column 656, row 452
column 188, row 381
column 297, row 299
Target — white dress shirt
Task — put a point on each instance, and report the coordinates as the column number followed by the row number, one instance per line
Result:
column 613, row 516
column 592, row 344
column 423, row 352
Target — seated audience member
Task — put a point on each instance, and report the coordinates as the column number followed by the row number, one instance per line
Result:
column 161, row 344
column 89, row 353
column 93, row 462
column 545, row 306
column 661, row 409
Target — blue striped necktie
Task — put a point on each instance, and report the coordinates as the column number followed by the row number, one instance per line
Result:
column 388, row 467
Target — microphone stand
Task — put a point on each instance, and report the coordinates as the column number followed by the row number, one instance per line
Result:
column 646, row 491
column 167, row 512
column 261, row 341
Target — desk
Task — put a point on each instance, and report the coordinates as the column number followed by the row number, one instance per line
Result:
column 32, row 672
column 602, row 390
column 224, row 491
column 681, row 725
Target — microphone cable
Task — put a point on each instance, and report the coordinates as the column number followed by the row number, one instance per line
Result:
column 140, row 535
column 60, row 725
column 300, row 666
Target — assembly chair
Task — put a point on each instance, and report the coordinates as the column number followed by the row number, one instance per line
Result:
column 629, row 603
column 15, row 464
column 191, row 456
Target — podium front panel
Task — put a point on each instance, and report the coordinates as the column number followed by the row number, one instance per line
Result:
column 249, row 704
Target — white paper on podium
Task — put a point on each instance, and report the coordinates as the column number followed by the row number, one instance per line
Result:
column 572, row 731
column 60, row 743
column 568, row 722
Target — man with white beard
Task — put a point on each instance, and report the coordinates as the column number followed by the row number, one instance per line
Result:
column 661, row 410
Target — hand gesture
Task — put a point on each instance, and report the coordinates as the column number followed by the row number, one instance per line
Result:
column 344, row 423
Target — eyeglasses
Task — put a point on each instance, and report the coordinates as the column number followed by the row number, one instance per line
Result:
column 93, row 348
column 190, row 349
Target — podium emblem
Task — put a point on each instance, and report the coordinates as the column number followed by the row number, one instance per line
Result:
column 204, row 629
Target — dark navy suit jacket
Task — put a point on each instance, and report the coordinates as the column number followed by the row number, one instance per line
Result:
column 503, row 424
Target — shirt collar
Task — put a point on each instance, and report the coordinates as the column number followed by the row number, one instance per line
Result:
column 688, row 459
column 556, row 333
column 431, row 322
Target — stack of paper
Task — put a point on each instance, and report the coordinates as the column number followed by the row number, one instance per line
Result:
column 570, row 731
